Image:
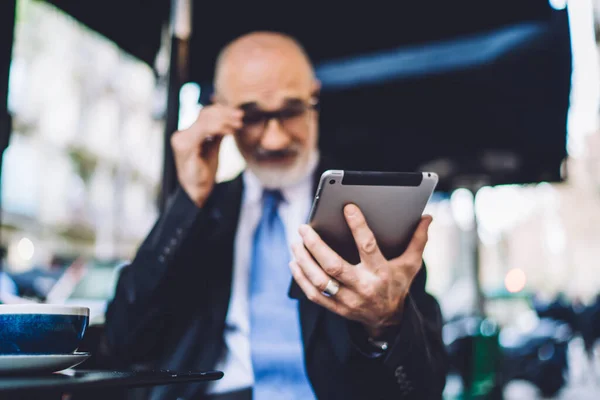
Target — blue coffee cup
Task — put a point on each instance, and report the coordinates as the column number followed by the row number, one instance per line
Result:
column 41, row 328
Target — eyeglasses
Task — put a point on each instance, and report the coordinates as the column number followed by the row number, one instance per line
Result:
column 292, row 118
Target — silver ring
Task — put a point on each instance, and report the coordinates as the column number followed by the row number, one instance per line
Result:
column 332, row 287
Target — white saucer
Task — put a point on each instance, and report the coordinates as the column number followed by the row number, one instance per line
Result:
column 39, row 363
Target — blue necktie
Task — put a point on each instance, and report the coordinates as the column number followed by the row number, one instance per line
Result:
column 275, row 337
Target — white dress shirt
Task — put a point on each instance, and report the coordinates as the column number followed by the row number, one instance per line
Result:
column 236, row 362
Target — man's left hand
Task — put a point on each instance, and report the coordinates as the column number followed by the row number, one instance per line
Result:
column 372, row 292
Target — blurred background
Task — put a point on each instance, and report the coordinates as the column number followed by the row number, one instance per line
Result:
column 503, row 104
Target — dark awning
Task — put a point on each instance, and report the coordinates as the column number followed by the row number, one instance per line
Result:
column 331, row 32
column 479, row 87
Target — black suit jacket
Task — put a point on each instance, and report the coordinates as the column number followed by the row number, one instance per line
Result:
column 171, row 303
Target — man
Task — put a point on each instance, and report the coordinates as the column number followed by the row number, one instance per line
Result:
column 208, row 288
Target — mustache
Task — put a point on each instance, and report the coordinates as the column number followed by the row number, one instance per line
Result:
column 261, row 154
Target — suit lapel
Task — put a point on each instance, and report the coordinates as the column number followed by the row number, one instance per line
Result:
column 224, row 212
column 224, row 209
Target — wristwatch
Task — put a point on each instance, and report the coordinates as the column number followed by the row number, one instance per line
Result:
column 380, row 345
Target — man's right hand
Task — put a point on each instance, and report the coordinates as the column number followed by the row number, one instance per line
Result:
column 196, row 149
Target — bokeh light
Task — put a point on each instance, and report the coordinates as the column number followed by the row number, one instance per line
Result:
column 515, row 280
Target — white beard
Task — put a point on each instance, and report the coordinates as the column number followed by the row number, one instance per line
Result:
column 278, row 178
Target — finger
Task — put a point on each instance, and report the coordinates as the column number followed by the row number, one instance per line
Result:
column 315, row 274
column 224, row 130
column 226, row 114
column 214, row 121
column 364, row 238
column 228, row 129
column 235, row 123
column 228, row 111
column 224, row 122
column 415, row 248
column 328, row 260
column 313, row 294
column 233, row 117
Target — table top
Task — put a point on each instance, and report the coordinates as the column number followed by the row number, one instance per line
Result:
column 79, row 380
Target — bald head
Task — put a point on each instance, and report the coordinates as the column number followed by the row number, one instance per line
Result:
column 256, row 55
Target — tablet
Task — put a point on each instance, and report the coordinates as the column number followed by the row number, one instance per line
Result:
column 392, row 203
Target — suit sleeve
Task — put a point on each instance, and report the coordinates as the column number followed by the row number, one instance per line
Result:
column 415, row 364
column 145, row 293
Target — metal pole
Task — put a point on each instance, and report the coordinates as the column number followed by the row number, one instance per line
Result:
column 7, row 29
column 479, row 296
column 181, row 28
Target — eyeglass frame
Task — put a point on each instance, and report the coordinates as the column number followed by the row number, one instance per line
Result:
column 268, row 116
